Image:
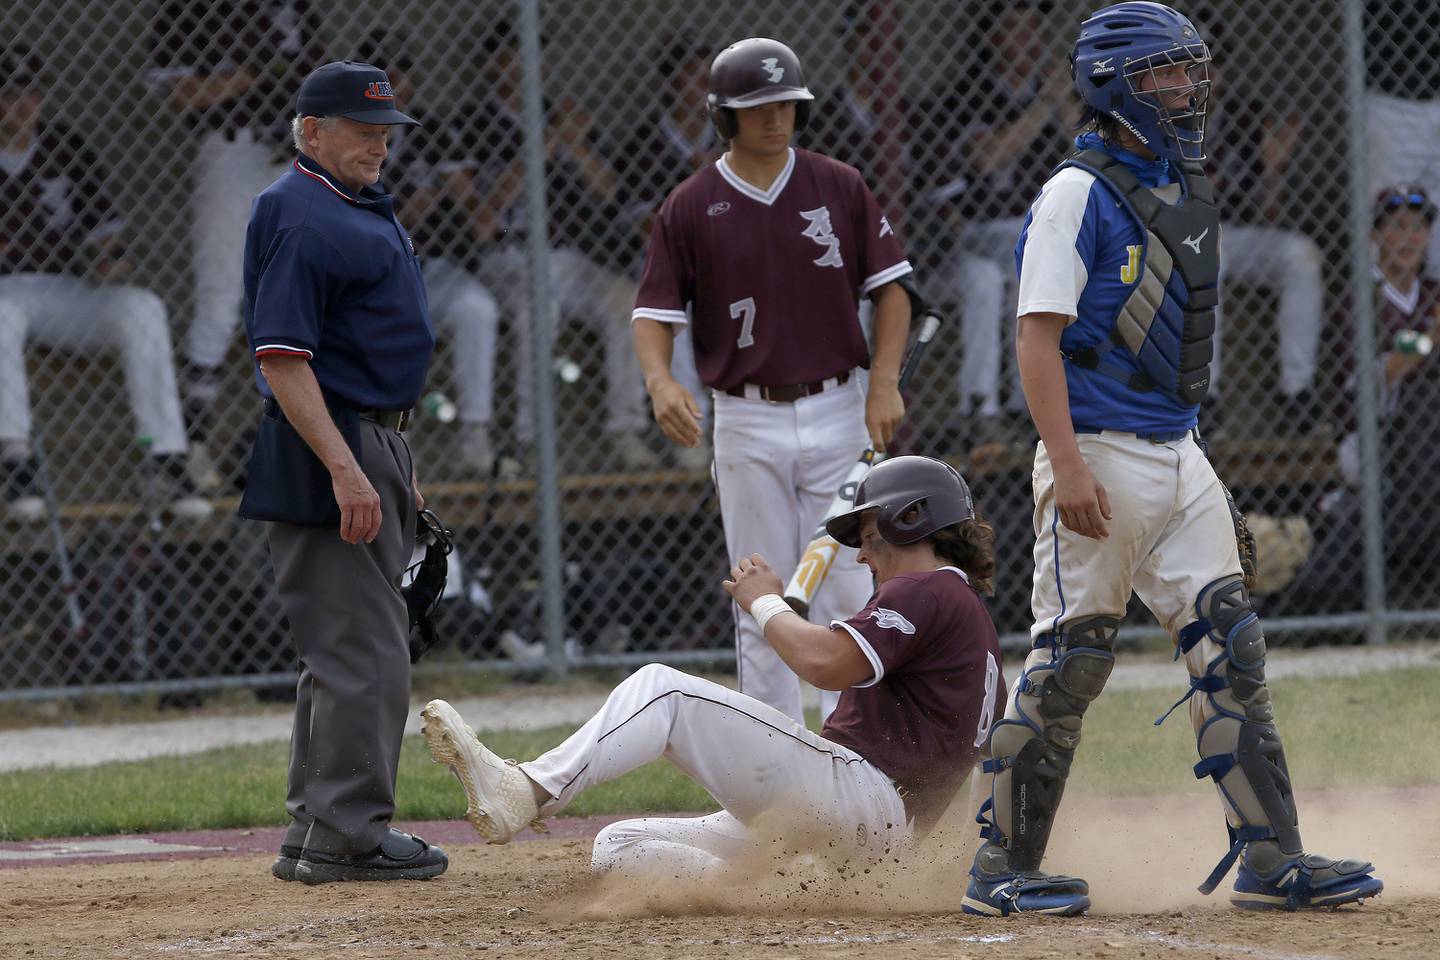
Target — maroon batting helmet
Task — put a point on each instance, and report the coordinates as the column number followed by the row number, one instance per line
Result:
column 912, row 496
column 752, row 72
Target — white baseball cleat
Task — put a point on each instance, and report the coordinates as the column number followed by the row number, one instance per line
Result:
column 500, row 800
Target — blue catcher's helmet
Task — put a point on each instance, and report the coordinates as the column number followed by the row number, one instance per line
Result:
column 1115, row 63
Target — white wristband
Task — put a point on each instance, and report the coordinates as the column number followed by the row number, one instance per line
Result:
column 766, row 607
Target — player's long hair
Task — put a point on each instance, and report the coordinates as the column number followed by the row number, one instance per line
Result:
column 969, row 546
column 1093, row 121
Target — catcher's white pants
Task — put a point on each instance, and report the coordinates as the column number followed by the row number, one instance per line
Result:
column 777, row 781
column 1404, row 139
column 1288, row 263
column 229, row 172
column 70, row 313
column 777, row 467
column 1171, row 535
column 464, row 310
column 583, row 290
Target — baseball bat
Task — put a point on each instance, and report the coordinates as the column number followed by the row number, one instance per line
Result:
column 69, row 587
column 820, row 553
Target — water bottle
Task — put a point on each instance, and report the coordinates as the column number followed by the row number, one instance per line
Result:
column 1413, row 343
column 439, row 406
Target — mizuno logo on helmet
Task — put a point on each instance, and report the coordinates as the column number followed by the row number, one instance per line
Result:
column 1102, row 66
column 890, row 620
column 1194, row 242
column 773, row 70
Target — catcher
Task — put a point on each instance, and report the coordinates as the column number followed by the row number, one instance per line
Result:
column 1119, row 263
column 919, row 668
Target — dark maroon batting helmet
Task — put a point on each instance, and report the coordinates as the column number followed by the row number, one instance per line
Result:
column 752, row 72
column 912, row 496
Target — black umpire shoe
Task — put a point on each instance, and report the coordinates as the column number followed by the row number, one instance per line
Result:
column 399, row 857
column 284, row 866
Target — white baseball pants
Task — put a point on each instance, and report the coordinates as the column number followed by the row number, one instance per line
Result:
column 1289, row 263
column 229, row 172
column 69, row 313
column 776, row 780
column 464, row 310
column 583, row 290
column 980, row 277
column 1171, row 535
column 777, row 467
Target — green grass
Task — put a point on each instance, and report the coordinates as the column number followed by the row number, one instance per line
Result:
column 1329, row 726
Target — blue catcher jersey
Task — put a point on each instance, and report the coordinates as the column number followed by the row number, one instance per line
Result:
column 1079, row 254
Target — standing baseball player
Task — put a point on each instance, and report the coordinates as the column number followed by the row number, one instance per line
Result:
column 919, row 668
column 337, row 319
column 1119, row 263
column 766, row 253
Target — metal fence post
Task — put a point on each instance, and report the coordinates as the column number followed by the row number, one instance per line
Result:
column 547, row 473
column 1362, row 314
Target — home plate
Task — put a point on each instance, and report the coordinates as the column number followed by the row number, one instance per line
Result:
column 108, row 847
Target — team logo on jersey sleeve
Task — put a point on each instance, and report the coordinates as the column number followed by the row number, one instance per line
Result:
column 823, row 233
column 890, row 620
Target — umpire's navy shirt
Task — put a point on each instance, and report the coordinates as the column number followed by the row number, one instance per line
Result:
column 331, row 276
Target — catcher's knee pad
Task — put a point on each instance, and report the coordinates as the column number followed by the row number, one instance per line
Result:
column 1235, row 732
column 1032, row 748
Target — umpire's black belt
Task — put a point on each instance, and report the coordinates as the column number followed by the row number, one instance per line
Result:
column 789, row 392
column 397, row 420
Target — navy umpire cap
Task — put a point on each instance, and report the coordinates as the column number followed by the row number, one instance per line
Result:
column 345, row 88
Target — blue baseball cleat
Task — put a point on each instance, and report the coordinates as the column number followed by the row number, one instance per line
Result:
column 999, row 891
column 1300, row 883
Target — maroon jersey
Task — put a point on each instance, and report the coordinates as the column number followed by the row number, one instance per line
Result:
column 770, row 280
column 925, row 715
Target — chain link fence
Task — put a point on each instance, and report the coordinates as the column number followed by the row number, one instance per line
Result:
column 133, row 136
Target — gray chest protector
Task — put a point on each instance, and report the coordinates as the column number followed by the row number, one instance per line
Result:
column 1168, row 321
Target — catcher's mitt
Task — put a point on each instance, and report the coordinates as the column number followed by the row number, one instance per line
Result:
column 423, row 594
column 1244, row 542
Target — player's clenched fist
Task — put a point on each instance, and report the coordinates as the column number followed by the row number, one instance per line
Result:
column 751, row 578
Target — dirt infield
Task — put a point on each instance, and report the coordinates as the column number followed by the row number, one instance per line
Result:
column 538, row 899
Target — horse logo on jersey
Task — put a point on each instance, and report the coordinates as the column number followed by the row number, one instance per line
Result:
column 823, row 233
column 890, row 620
column 773, row 70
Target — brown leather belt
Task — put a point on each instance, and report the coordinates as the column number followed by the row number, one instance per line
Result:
column 790, row 392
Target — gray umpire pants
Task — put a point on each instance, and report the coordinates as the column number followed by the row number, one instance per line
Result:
column 352, row 630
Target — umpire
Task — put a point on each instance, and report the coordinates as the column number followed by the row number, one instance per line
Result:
column 336, row 315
